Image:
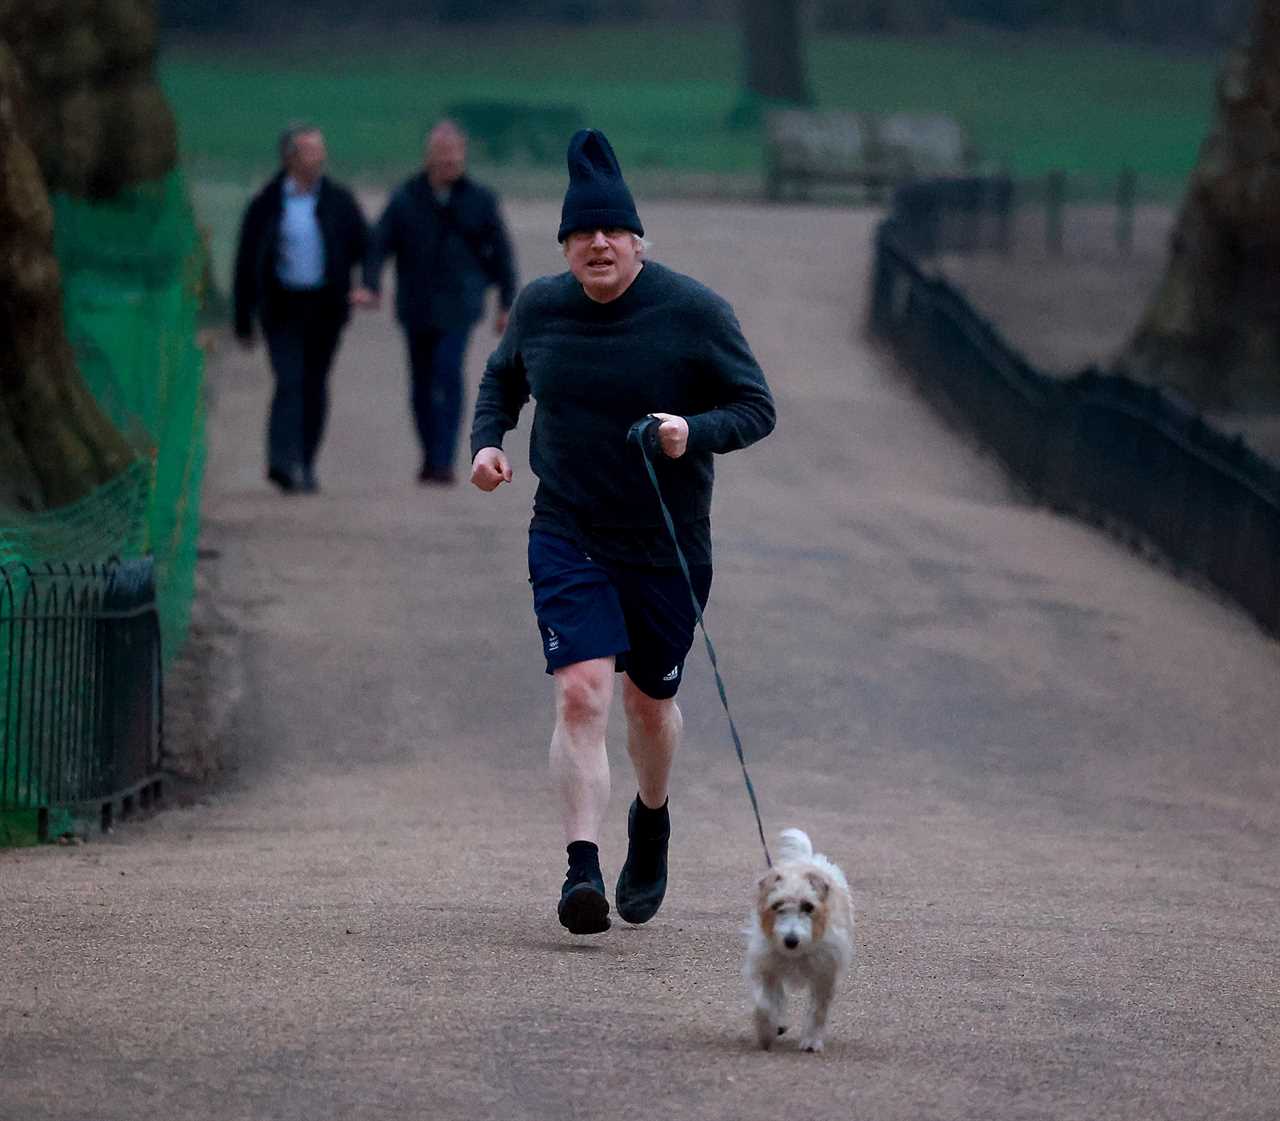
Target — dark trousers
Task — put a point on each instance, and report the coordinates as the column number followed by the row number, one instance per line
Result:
column 435, row 370
column 302, row 338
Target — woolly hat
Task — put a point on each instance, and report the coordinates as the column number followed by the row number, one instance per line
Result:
column 597, row 197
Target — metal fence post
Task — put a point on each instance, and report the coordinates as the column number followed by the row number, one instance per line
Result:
column 1055, row 199
column 1002, row 192
column 1126, row 197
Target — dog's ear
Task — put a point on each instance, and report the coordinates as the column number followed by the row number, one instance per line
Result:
column 768, row 882
column 819, row 884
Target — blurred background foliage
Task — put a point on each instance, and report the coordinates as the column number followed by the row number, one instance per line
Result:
column 1162, row 21
column 1088, row 86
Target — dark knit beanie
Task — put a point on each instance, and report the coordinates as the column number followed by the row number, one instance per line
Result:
column 597, row 198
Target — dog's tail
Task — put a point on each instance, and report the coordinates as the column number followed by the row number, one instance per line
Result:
column 794, row 844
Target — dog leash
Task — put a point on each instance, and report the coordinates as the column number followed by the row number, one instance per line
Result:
column 644, row 433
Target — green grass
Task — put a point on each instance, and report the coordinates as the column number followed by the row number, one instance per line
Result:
column 663, row 97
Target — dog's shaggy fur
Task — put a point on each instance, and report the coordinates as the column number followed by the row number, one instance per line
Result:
column 801, row 936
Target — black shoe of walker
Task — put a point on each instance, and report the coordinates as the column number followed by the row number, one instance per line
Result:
column 643, row 880
column 583, row 908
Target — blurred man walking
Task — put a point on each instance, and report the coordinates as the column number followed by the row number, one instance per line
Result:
column 300, row 239
column 449, row 244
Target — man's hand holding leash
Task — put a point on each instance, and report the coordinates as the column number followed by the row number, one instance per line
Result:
column 673, row 434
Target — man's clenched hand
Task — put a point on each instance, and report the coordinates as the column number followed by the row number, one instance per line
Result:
column 673, row 434
column 490, row 469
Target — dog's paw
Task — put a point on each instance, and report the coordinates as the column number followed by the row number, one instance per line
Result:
column 812, row 1044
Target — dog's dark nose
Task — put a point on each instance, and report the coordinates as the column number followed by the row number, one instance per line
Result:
column 791, row 941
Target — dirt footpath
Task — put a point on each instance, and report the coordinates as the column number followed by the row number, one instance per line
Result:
column 1049, row 770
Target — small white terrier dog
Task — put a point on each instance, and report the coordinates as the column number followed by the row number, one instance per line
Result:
column 801, row 935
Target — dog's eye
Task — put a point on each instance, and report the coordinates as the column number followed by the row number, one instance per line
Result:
column 807, row 907
column 777, row 905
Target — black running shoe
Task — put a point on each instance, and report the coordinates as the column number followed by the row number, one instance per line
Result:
column 583, row 908
column 642, row 883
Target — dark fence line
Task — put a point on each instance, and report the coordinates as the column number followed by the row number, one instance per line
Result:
column 1057, row 214
column 1115, row 452
column 81, row 704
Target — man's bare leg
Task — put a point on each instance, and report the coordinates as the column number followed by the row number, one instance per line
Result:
column 579, row 762
column 580, row 768
column 653, row 737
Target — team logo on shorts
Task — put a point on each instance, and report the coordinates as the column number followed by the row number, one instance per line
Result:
column 553, row 641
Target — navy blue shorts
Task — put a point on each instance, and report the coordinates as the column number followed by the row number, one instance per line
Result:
column 640, row 615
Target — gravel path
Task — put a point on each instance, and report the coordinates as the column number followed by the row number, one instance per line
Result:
column 1049, row 770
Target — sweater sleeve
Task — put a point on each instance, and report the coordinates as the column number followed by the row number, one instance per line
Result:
column 357, row 231
column 503, row 391
column 383, row 242
column 244, row 290
column 502, row 258
column 744, row 410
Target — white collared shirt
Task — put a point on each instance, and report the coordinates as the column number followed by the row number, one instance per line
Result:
column 300, row 263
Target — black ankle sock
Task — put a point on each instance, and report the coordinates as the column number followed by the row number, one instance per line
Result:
column 647, row 816
column 584, row 855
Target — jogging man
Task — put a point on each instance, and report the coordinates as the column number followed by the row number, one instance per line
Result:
column 613, row 339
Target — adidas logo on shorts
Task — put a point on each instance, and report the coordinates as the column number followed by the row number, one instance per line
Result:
column 673, row 675
column 553, row 641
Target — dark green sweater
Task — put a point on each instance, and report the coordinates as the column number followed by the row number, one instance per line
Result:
column 667, row 344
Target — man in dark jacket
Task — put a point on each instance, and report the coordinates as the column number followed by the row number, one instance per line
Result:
column 449, row 245
column 599, row 347
column 300, row 239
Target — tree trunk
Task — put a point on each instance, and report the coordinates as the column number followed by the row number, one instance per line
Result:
column 95, row 117
column 774, row 48
column 55, row 443
column 80, row 112
column 1212, row 330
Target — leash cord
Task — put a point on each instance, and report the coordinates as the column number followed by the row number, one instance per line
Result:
column 645, row 433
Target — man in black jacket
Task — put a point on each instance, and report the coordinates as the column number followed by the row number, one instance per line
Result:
column 300, row 239
column 610, row 341
column 449, row 245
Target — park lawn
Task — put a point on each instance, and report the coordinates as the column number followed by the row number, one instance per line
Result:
column 1033, row 104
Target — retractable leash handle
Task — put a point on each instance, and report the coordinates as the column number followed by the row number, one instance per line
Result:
column 644, row 434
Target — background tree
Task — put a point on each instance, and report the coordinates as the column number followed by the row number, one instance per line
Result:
column 80, row 112
column 1212, row 330
column 898, row 17
column 773, row 51
column 55, row 443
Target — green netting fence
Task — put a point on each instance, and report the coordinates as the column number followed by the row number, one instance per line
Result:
column 132, row 269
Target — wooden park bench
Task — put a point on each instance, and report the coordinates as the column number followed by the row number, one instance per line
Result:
column 874, row 153
column 504, row 129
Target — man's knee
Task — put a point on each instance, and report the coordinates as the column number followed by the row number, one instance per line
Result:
column 583, row 691
column 648, row 715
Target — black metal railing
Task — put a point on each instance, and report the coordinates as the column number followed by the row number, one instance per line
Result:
column 81, row 703
column 1054, row 216
column 1128, row 456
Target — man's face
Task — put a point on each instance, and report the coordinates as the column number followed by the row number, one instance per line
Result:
column 446, row 159
column 605, row 262
column 306, row 162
